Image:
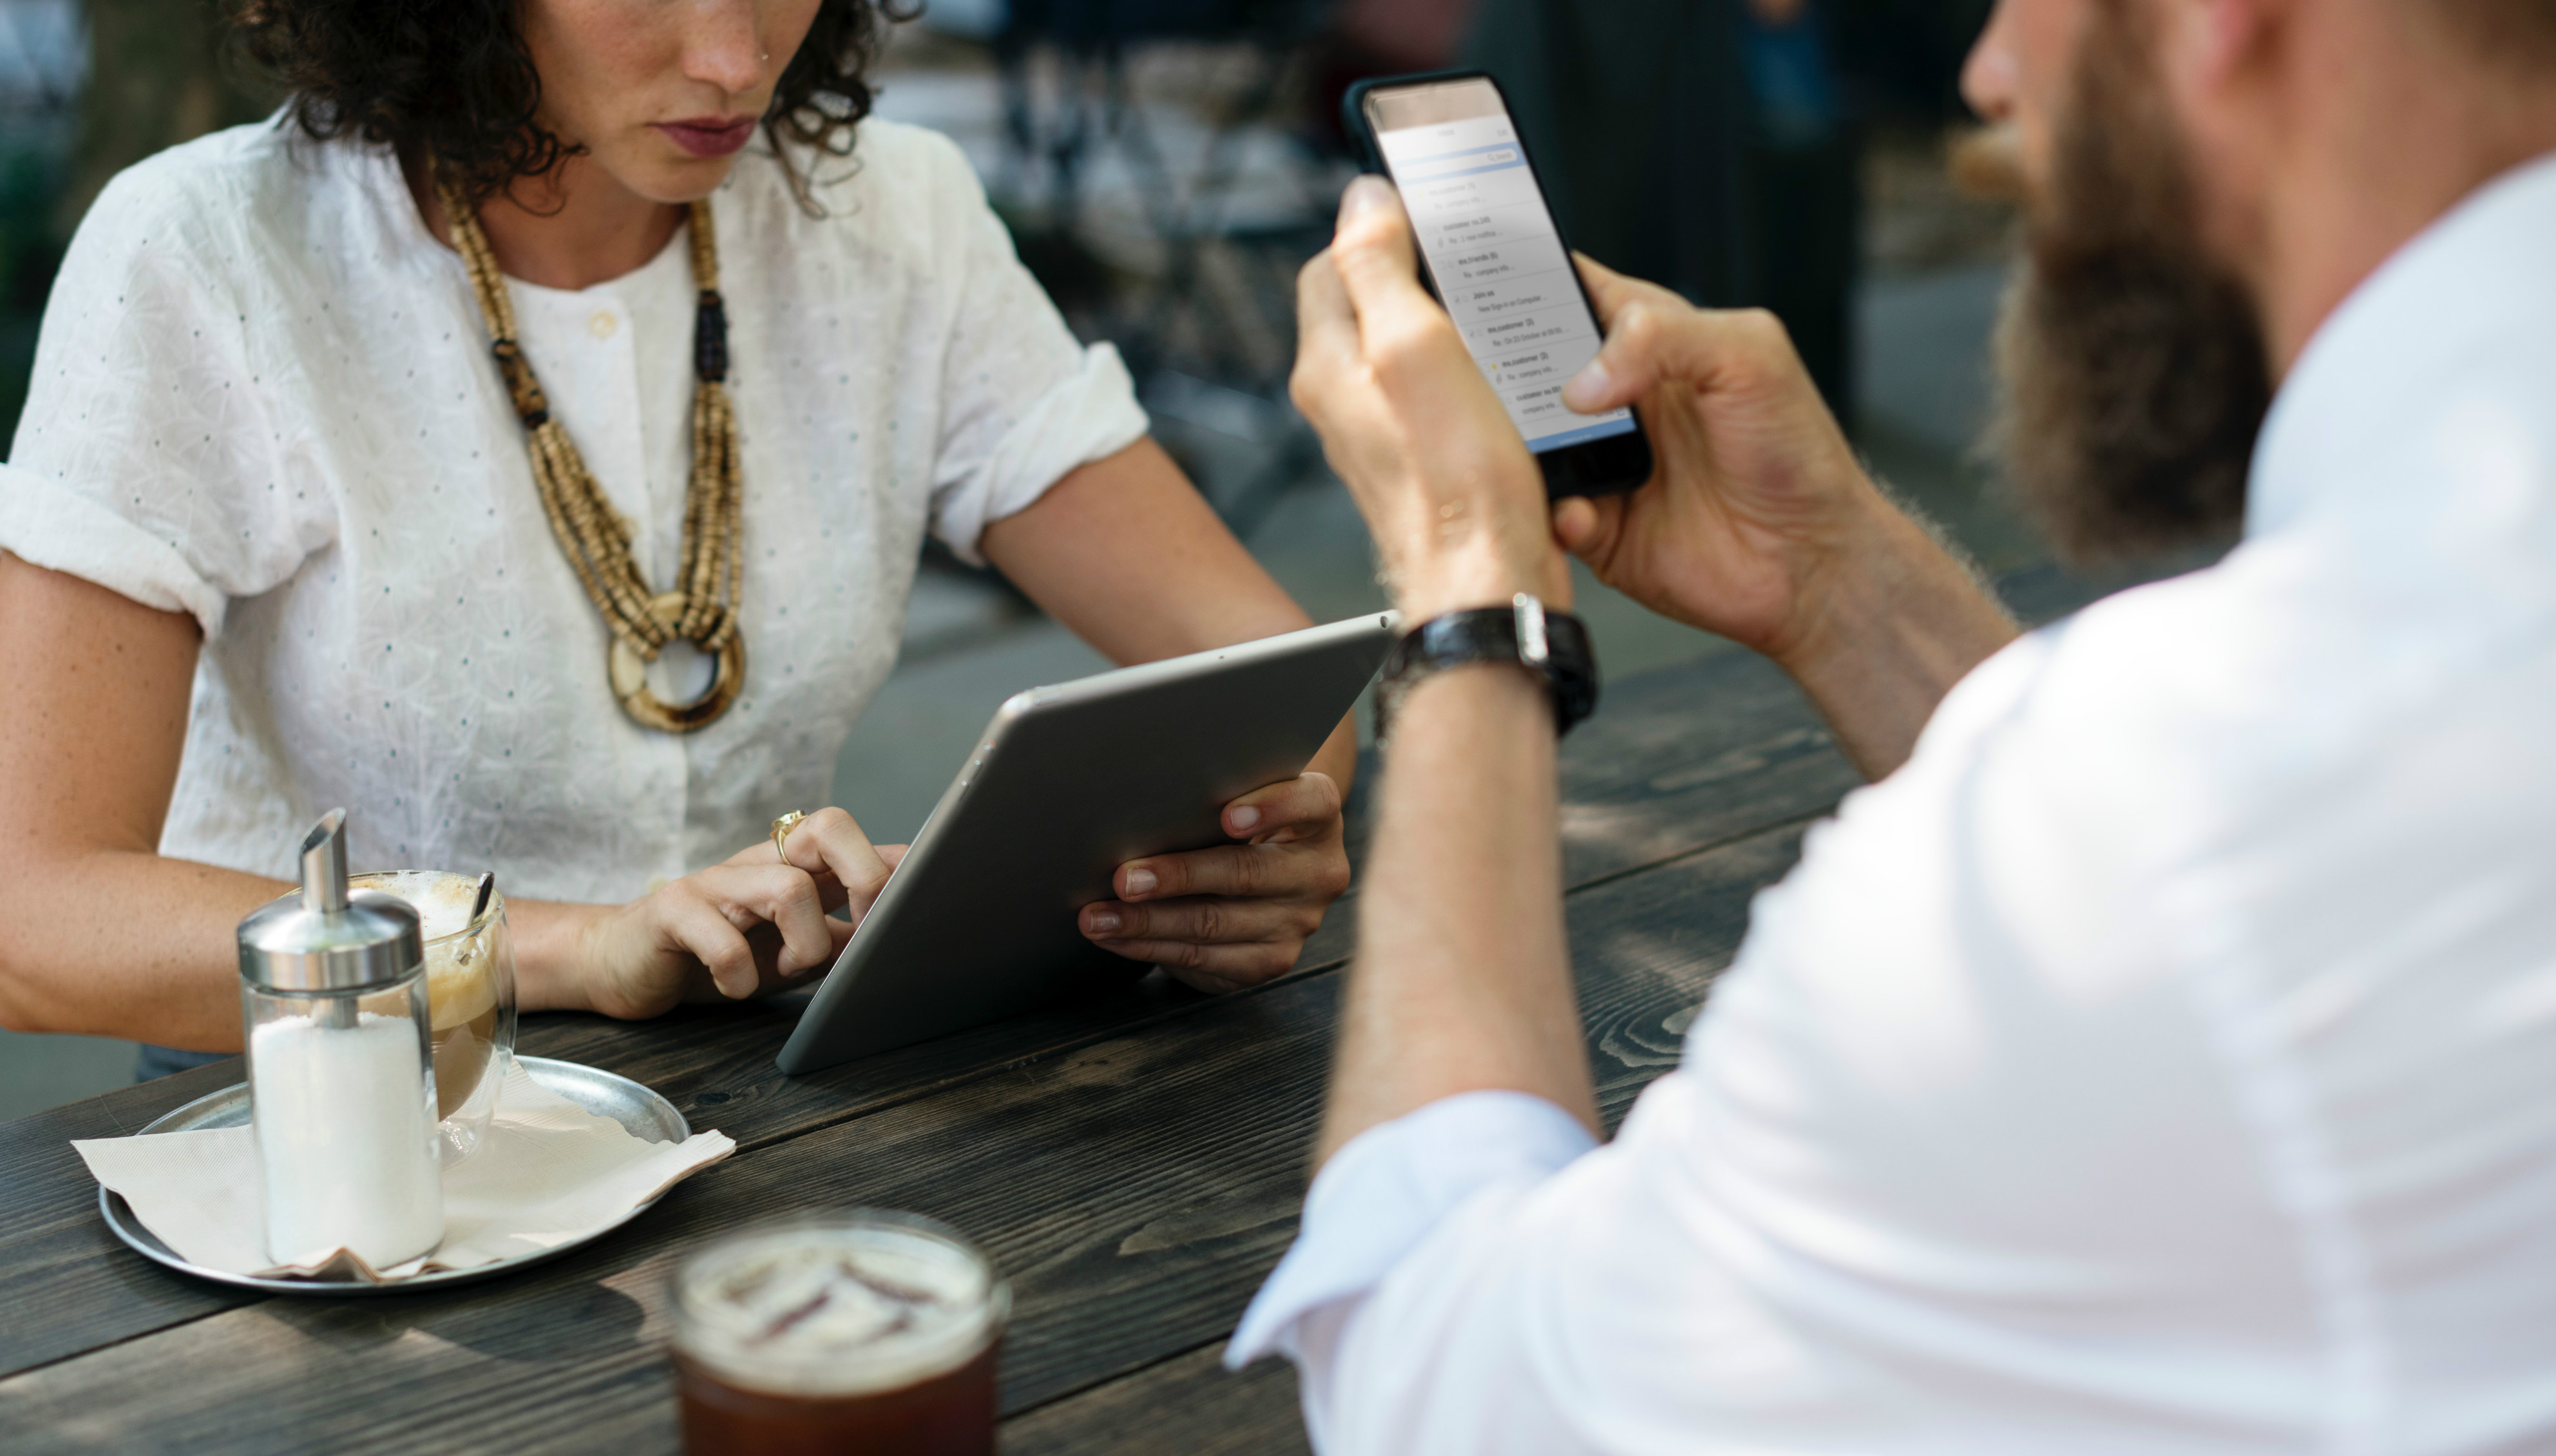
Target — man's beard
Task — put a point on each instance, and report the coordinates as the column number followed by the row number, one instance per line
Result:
column 2133, row 363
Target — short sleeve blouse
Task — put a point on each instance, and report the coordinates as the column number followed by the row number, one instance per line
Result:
column 263, row 397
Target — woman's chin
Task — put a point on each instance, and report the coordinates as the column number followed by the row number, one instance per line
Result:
column 666, row 174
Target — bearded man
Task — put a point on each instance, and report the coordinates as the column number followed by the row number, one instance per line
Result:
column 2160, row 1056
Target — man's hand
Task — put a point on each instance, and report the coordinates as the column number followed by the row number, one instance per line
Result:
column 1760, row 525
column 1463, row 982
column 1236, row 916
column 1758, row 502
column 755, row 925
column 1453, row 499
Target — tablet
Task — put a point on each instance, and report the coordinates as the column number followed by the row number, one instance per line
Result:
column 1069, row 783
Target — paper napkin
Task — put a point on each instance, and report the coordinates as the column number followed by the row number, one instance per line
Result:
column 548, row 1174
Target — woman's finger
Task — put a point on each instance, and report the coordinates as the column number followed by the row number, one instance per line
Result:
column 705, row 933
column 830, row 843
column 1204, row 920
column 1311, row 801
column 1215, row 968
column 839, row 934
column 1247, row 870
column 781, row 896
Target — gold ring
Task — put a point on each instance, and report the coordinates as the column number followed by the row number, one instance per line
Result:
column 781, row 829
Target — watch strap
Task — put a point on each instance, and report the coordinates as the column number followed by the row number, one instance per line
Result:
column 1552, row 645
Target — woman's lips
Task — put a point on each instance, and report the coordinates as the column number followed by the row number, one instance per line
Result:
column 709, row 136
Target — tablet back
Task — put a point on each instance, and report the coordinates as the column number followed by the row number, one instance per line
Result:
column 1069, row 783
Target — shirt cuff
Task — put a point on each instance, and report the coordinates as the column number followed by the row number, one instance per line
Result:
column 1381, row 1194
column 1090, row 415
column 45, row 523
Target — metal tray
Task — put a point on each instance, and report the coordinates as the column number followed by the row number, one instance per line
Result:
column 605, row 1094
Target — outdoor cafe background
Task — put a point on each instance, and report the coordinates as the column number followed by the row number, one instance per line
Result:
column 1166, row 165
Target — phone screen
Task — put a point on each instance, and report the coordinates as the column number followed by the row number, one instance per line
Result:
column 1492, row 247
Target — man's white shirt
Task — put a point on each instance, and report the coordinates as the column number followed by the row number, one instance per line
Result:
column 2164, row 1059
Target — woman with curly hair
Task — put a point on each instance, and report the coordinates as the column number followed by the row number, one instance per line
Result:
column 441, row 447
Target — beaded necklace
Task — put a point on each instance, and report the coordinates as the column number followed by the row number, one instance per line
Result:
column 593, row 535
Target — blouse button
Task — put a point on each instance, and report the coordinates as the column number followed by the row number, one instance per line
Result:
column 601, row 325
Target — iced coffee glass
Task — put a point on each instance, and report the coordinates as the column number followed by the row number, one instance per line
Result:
column 470, row 985
column 859, row 1331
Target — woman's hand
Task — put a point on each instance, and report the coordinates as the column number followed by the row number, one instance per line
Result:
column 756, row 925
column 1455, row 501
column 1236, row 916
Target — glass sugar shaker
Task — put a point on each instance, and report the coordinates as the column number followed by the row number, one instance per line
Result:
column 341, row 1084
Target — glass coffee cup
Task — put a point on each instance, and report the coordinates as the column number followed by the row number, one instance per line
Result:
column 470, row 989
column 858, row 1332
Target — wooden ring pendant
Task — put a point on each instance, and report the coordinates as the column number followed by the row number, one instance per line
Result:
column 630, row 677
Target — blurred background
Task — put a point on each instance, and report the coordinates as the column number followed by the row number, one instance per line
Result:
column 1166, row 165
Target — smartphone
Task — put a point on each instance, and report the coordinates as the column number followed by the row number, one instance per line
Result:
column 1491, row 253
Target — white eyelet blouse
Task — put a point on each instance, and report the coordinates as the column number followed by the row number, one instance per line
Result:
column 264, row 396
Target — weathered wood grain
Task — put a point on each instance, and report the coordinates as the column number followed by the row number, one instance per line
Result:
column 41, row 1175
column 1689, row 757
column 1137, row 1190
column 65, row 1284
column 1188, row 1405
column 1676, row 761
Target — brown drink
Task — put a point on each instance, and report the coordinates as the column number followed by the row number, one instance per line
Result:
column 465, row 974
column 857, row 1332
column 461, row 1052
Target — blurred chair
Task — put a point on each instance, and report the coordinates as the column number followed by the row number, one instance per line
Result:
column 1371, row 37
column 1405, row 34
column 1701, row 144
column 1210, row 354
column 1802, row 233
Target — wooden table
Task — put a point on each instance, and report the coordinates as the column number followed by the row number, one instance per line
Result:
column 1134, row 1165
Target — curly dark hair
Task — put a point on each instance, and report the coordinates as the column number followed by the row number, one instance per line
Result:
column 452, row 79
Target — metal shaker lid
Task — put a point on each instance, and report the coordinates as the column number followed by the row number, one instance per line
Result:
column 328, row 938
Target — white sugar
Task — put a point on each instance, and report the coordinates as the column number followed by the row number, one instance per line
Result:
column 345, row 1140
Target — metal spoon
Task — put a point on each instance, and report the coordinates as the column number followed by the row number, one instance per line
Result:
column 478, row 907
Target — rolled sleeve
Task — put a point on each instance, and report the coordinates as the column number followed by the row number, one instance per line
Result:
column 146, row 459
column 1023, row 402
column 48, row 525
column 1386, row 1190
column 1089, row 414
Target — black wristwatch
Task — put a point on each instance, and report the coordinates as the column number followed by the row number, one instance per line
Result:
column 1552, row 645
